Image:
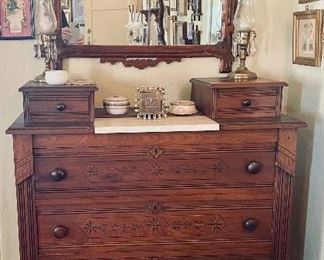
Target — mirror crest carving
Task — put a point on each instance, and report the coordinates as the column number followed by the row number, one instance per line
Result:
column 150, row 56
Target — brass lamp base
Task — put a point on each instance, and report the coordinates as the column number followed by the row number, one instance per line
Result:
column 242, row 73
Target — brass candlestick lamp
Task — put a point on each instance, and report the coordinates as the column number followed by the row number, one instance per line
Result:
column 244, row 39
column 46, row 38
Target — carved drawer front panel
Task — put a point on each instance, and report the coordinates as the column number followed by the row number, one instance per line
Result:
column 88, row 228
column 247, row 103
column 157, row 218
column 55, row 173
column 59, row 104
column 53, row 109
column 223, row 98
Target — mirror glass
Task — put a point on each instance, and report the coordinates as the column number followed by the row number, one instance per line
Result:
column 142, row 22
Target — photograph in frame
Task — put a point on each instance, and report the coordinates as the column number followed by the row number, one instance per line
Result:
column 16, row 19
column 307, row 29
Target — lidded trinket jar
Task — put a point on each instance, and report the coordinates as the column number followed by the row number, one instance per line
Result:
column 183, row 107
column 116, row 105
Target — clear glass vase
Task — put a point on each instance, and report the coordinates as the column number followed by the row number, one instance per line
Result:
column 244, row 18
column 46, row 19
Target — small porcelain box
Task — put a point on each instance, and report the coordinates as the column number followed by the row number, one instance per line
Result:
column 116, row 105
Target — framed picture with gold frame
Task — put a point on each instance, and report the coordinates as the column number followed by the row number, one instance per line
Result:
column 307, row 31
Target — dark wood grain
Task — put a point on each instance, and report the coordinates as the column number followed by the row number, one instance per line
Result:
column 141, row 170
column 181, row 195
column 225, row 82
column 58, row 104
column 220, row 98
column 82, row 228
column 286, row 161
column 27, row 227
column 193, row 250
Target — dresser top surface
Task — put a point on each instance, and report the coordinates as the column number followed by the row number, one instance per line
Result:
column 229, row 83
column 32, row 86
column 284, row 121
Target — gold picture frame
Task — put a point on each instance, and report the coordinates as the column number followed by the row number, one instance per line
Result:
column 307, row 34
column 306, row 1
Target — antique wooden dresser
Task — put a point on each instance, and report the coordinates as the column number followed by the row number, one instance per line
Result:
column 177, row 195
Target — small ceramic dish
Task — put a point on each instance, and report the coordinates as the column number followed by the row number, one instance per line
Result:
column 116, row 105
column 56, row 77
column 183, row 107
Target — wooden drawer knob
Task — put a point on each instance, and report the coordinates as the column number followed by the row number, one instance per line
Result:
column 57, row 175
column 251, row 224
column 246, row 103
column 60, row 231
column 254, row 167
column 60, row 107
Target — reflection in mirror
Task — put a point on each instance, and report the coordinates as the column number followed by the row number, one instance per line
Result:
column 144, row 22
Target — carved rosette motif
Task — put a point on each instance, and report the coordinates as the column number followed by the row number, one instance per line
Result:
column 156, row 226
column 95, row 172
column 216, row 167
column 92, row 228
column 159, row 169
column 133, row 227
column 155, row 168
column 215, row 224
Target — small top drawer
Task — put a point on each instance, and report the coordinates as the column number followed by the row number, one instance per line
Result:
column 247, row 103
column 58, row 104
column 224, row 98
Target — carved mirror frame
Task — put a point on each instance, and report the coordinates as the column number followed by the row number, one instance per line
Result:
column 149, row 56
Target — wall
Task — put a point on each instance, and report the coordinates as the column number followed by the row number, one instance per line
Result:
column 273, row 60
column 306, row 101
column 17, row 65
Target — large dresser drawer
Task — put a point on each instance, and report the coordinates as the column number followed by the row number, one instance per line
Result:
column 57, row 173
column 193, row 250
column 171, row 218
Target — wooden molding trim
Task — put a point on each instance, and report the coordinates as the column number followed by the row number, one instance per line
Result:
column 286, row 158
column 23, row 156
column 282, row 212
column 27, row 220
column 139, row 63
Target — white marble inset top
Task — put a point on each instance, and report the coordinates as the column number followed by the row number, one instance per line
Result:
column 168, row 124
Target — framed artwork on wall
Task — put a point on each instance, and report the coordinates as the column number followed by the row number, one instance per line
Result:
column 16, row 19
column 307, row 31
column 306, row 1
